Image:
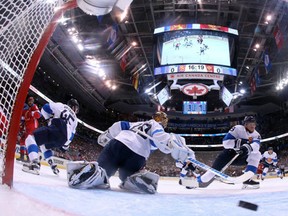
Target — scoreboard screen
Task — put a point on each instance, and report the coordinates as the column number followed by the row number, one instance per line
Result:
column 194, row 107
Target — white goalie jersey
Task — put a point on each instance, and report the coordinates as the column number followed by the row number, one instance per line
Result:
column 144, row 137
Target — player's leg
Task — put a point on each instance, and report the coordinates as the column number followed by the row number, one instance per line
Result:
column 265, row 171
column 109, row 157
column 51, row 137
column 32, row 148
column 47, row 153
column 253, row 162
column 22, row 147
column 278, row 172
column 132, row 178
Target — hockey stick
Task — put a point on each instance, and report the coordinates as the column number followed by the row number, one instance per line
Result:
column 230, row 162
column 236, row 180
column 225, row 167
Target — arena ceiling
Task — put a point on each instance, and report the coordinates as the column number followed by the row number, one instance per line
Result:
column 80, row 68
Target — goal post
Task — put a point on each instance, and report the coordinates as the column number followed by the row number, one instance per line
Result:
column 25, row 29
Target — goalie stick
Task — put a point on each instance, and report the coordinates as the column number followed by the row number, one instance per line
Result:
column 236, row 180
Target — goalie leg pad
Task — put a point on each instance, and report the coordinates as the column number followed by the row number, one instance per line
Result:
column 86, row 175
column 142, row 182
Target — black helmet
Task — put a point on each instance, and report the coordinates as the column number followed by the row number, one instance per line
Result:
column 270, row 148
column 249, row 119
column 73, row 103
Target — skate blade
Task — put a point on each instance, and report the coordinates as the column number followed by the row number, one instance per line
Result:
column 249, row 187
column 35, row 172
column 56, row 172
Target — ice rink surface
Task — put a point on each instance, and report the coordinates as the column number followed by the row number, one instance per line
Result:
column 48, row 194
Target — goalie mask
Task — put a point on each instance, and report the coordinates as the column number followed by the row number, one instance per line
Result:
column 161, row 118
column 73, row 103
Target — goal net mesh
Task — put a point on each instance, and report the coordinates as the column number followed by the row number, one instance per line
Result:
column 22, row 24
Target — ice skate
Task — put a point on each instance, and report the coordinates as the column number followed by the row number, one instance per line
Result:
column 53, row 167
column 251, row 184
column 33, row 167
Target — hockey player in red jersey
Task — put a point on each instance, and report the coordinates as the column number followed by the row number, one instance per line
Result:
column 3, row 126
column 29, row 122
column 260, row 170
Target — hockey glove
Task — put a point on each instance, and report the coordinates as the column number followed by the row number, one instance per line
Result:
column 186, row 165
column 244, row 150
column 239, row 143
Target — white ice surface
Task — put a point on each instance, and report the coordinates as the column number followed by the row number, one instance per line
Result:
column 48, row 194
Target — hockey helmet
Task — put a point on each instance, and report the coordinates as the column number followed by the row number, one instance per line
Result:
column 270, row 148
column 73, row 103
column 161, row 117
column 249, row 119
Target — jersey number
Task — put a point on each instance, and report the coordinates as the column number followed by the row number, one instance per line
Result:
column 144, row 128
column 67, row 117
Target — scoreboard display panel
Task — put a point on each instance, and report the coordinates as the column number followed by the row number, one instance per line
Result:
column 194, row 107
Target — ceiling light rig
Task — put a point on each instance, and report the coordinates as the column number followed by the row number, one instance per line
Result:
column 75, row 37
column 282, row 84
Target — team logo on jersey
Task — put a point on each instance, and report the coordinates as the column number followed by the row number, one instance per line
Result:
column 250, row 139
column 195, row 89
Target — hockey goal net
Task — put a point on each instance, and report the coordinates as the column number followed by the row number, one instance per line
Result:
column 25, row 29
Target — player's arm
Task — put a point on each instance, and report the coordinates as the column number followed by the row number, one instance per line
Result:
column 179, row 150
column 47, row 111
column 112, row 132
column 255, row 144
column 230, row 141
column 173, row 144
column 33, row 112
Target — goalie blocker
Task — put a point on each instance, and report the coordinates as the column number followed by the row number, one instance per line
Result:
column 89, row 175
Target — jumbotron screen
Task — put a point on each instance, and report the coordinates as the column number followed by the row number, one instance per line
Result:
column 186, row 47
column 195, row 44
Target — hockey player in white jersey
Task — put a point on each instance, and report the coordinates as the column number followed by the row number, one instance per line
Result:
column 127, row 147
column 62, row 124
column 270, row 160
column 241, row 139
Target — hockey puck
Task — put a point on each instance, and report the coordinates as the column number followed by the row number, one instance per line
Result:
column 248, row 205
